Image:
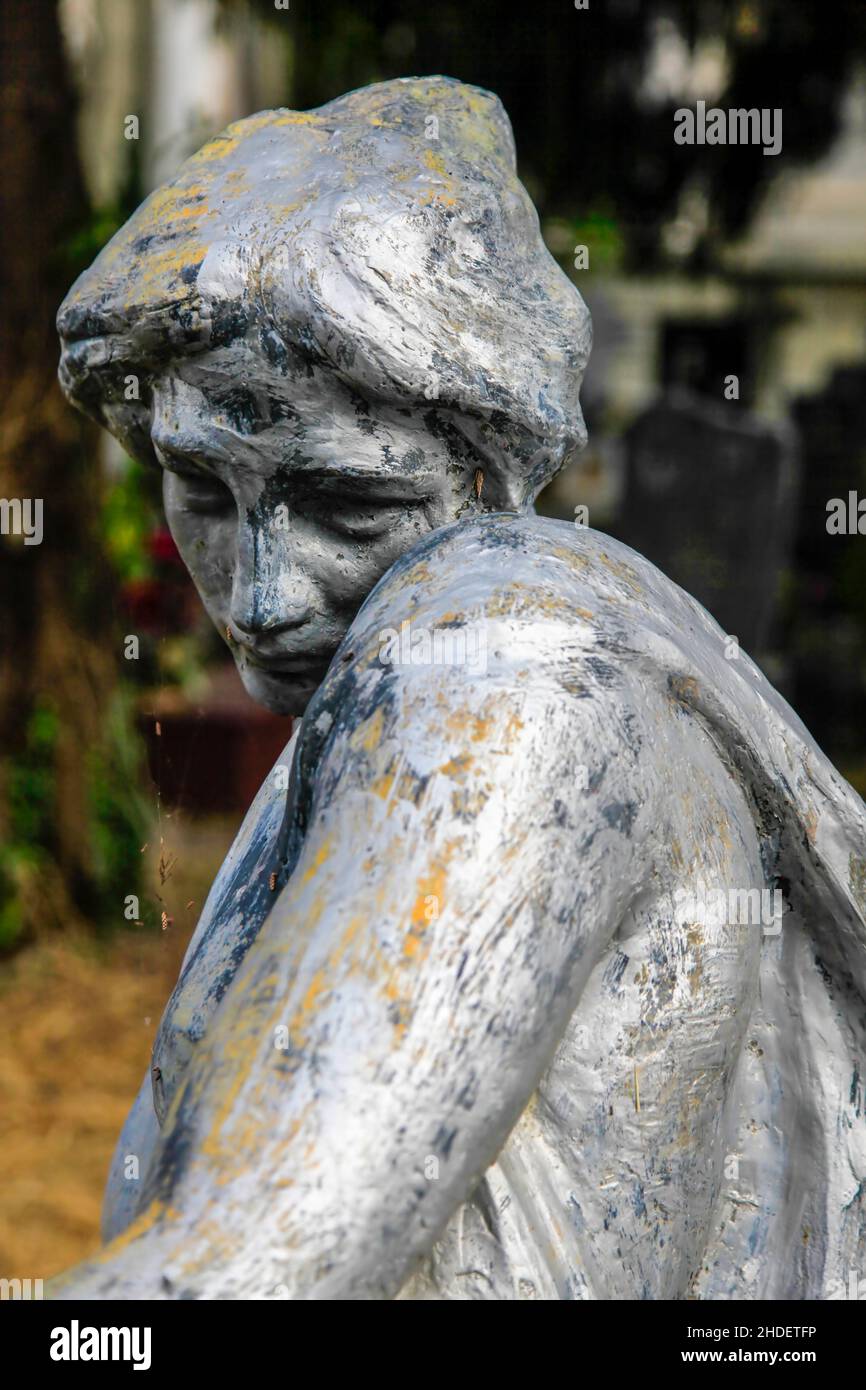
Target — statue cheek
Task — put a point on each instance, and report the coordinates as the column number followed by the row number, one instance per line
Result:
column 211, row 564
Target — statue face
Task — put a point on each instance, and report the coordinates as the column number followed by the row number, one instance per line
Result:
column 286, row 515
column 331, row 322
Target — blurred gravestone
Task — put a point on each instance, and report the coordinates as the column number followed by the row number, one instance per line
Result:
column 827, row 639
column 710, row 498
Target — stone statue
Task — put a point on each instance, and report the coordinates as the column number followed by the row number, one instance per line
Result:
column 546, row 977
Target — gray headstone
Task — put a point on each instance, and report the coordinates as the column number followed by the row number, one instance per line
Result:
column 709, row 498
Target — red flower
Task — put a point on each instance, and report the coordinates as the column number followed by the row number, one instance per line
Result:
column 151, row 605
column 161, row 547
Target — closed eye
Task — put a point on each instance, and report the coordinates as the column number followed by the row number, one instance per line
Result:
column 363, row 517
column 198, row 489
column 369, row 522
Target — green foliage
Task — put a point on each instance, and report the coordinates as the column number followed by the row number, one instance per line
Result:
column 129, row 513
column 87, row 241
column 31, row 792
column 18, row 865
column 86, row 238
column 32, row 781
column 601, row 232
column 119, row 815
column 115, row 828
column 116, row 816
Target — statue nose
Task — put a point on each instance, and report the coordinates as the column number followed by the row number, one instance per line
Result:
column 270, row 593
column 259, row 607
column 255, row 620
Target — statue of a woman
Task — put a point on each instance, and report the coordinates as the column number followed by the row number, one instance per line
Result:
column 547, row 976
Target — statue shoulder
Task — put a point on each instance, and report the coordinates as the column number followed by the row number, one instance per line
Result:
column 518, row 576
column 509, row 618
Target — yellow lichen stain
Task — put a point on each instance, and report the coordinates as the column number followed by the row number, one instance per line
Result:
column 297, row 118
column 213, row 1243
column 308, row 1003
column 458, row 766
column 435, row 162
column 156, row 1214
column 368, row 734
column 240, row 1053
column 465, row 723
column 513, row 726
column 350, row 936
column 160, row 272
column 724, row 834
column 572, row 558
column 430, row 196
column 321, row 855
column 518, row 600
column 621, row 571
column 383, row 786
column 857, row 879
column 429, row 888
column 235, row 134
column 480, row 728
column 695, row 940
column 218, row 148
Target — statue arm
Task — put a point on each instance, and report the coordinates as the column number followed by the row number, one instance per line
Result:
column 461, row 874
column 130, row 1161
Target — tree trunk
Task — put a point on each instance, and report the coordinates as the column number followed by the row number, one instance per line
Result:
column 56, row 672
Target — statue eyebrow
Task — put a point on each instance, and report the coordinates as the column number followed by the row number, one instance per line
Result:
column 356, row 478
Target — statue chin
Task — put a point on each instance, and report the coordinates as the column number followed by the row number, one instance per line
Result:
column 281, row 692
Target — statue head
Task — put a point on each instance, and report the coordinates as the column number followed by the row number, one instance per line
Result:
column 334, row 331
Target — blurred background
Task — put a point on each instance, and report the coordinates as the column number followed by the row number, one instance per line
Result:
column 726, row 402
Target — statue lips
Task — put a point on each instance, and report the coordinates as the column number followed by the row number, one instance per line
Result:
column 306, row 665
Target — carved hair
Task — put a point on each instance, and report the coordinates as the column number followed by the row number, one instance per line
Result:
column 385, row 236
